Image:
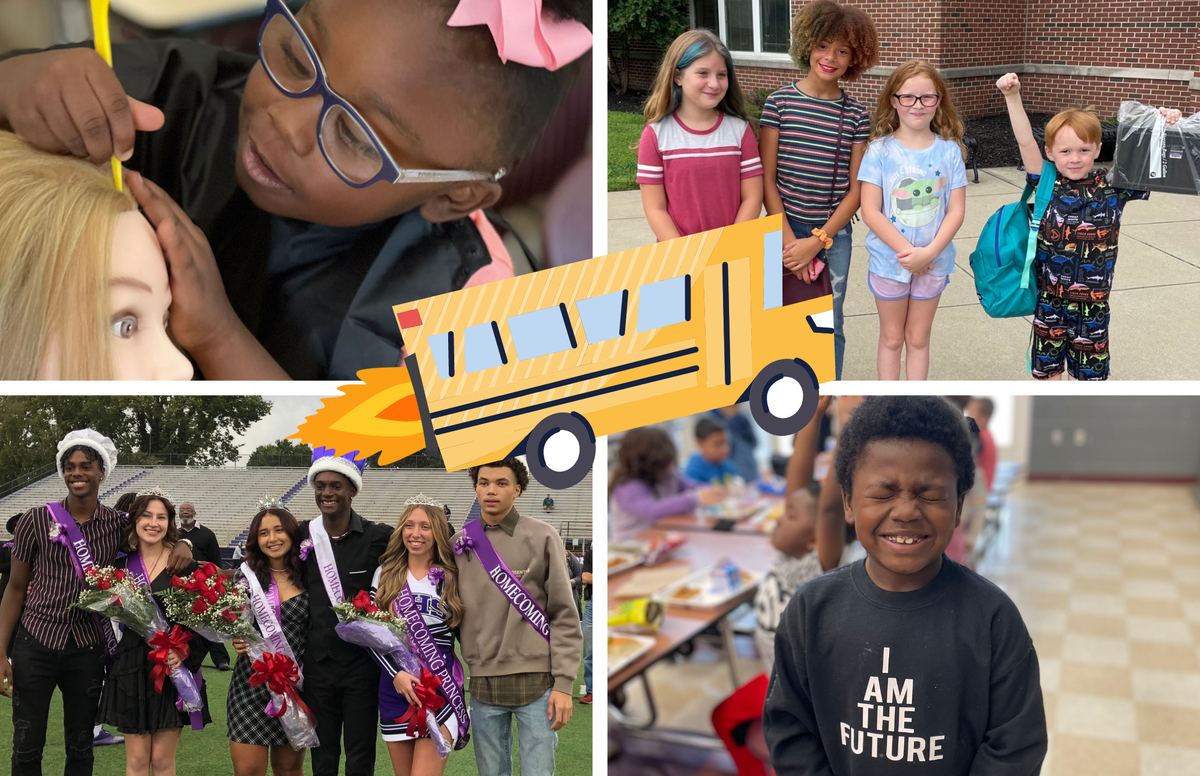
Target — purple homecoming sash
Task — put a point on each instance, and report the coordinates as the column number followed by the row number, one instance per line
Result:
column 179, row 676
column 426, row 650
column 506, row 581
column 81, row 555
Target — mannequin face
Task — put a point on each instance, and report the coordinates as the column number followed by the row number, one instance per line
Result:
column 141, row 296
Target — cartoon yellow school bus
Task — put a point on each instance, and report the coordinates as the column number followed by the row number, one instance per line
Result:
column 590, row 349
column 616, row 342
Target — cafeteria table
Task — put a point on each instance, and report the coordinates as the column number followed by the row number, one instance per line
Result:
column 682, row 624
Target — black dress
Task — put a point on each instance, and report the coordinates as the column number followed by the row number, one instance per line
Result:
column 247, row 723
column 130, row 702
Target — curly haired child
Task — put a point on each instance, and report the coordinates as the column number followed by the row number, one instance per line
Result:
column 812, row 139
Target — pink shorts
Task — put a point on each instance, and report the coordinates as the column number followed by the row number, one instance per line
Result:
column 921, row 287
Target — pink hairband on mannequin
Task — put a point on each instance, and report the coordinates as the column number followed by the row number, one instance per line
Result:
column 524, row 34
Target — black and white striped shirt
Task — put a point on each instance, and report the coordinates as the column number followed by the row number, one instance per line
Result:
column 53, row 583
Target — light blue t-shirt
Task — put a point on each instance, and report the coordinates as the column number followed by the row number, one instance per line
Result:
column 916, row 192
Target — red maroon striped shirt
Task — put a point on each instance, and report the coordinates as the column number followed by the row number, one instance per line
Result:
column 53, row 583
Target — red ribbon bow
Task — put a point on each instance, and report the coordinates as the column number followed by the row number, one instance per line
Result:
column 415, row 718
column 281, row 676
column 165, row 643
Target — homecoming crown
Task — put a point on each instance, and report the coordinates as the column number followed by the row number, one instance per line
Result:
column 421, row 500
column 157, row 492
column 269, row 502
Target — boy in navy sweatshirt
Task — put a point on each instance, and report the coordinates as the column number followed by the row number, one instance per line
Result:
column 905, row 662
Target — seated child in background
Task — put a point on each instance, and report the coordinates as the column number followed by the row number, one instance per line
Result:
column 905, row 656
column 305, row 256
column 795, row 537
column 711, row 462
column 1077, row 240
column 646, row 486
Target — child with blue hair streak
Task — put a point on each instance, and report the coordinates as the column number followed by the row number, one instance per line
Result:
column 698, row 164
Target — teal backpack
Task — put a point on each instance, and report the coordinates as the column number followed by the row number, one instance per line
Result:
column 1003, row 258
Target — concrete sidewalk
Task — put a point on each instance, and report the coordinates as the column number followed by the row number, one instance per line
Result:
column 1155, row 300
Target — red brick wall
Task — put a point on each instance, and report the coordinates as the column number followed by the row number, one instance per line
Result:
column 1161, row 34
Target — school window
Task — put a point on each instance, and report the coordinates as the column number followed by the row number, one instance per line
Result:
column 542, row 332
column 749, row 26
column 664, row 303
column 604, row 316
column 483, row 348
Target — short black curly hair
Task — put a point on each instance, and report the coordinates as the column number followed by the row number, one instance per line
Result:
column 516, row 464
column 924, row 418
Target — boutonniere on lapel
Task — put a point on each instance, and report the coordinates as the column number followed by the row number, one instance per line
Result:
column 463, row 545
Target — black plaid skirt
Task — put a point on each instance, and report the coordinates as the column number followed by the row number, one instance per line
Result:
column 247, row 722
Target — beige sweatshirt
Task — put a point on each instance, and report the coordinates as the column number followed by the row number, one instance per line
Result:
column 496, row 640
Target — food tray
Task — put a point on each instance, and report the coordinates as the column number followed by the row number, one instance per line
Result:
column 622, row 560
column 634, row 647
column 675, row 593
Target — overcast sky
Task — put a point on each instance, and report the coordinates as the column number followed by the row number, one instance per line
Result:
column 287, row 413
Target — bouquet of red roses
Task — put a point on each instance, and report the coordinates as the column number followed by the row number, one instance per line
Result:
column 115, row 594
column 364, row 624
column 219, row 610
column 210, row 605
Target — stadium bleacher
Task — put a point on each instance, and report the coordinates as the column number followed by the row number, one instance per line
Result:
column 226, row 499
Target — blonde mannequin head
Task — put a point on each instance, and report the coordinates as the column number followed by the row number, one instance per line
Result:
column 59, row 218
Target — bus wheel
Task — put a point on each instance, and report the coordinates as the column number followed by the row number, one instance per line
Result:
column 551, row 445
column 783, row 398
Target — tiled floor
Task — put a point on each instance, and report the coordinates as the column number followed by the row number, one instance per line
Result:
column 1107, row 578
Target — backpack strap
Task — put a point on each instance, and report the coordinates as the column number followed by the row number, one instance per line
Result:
column 1045, row 190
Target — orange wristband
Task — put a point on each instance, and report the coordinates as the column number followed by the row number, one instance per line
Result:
column 824, row 238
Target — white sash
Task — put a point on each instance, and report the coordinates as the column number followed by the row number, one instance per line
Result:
column 325, row 562
column 264, row 612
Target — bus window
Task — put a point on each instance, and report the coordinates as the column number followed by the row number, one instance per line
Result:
column 772, row 270
column 604, row 316
column 542, row 332
column 665, row 303
column 442, row 347
column 483, row 347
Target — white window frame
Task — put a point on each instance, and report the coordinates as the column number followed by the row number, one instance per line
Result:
column 743, row 57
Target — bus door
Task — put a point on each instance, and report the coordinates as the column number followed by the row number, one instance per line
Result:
column 727, row 322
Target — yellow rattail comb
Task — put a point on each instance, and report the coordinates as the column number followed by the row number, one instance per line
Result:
column 104, row 49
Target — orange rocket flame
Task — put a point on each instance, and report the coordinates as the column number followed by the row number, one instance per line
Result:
column 380, row 415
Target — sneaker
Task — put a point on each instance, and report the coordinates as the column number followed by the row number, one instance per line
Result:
column 104, row 738
column 586, row 700
column 224, row 666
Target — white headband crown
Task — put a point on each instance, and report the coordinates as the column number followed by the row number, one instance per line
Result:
column 88, row 437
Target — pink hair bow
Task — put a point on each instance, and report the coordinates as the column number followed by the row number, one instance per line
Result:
column 524, row 34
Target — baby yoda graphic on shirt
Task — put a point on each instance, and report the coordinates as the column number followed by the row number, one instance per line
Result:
column 916, row 193
column 915, row 201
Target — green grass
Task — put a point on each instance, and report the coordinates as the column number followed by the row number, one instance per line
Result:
column 624, row 132
column 206, row 753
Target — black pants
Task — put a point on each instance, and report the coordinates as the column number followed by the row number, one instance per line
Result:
column 344, row 696
column 218, row 653
column 79, row 674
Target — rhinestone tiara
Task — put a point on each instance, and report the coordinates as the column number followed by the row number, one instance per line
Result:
column 157, row 492
column 421, row 500
column 269, row 502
